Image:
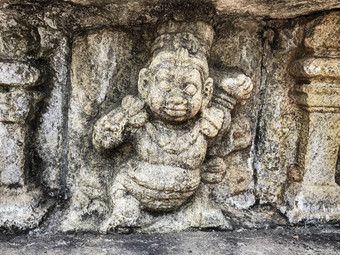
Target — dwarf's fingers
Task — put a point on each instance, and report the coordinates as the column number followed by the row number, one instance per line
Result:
column 139, row 119
column 215, row 168
column 212, row 177
column 214, row 115
column 116, row 128
column 132, row 105
column 207, row 128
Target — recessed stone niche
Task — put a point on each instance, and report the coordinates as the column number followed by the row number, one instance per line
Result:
column 166, row 116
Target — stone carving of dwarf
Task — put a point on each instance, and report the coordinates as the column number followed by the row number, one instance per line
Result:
column 170, row 122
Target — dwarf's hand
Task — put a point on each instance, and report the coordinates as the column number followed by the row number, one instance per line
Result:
column 239, row 87
column 134, row 107
column 114, row 122
column 108, row 132
column 213, row 170
column 211, row 121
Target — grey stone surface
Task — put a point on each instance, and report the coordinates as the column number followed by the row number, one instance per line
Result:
column 22, row 208
column 272, row 9
column 283, row 241
column 101, row 71
column 237, row 189
column 51, row 137
column 18, row 40
column 277, row 135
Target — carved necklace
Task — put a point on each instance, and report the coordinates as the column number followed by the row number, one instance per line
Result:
column 170, row 140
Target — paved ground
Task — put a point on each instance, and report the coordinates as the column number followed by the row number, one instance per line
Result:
column 303, row 240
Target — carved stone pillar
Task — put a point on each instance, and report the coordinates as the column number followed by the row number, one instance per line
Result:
column 17, row 103
column 20, row 199
column 317, row 196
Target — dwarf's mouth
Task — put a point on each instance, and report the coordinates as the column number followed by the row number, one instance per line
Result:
column 176, row 110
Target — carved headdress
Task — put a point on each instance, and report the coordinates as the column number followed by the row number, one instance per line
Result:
column 195, row 37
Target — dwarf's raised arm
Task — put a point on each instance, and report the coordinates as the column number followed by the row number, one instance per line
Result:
column 114, row 128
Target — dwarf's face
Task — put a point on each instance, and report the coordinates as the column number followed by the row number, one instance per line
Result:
column 173, row 87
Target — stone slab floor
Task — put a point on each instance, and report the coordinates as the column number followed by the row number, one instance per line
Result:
column 301, row 240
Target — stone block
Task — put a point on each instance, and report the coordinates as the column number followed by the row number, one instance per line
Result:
column 323, row 35
column 21, row 209
column 317, row 69
column 283, row 9
column 278, row 129
column 12, row 155
column 313, row 203
column 169, row 133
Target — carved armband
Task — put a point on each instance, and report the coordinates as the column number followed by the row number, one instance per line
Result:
column 135, row 112
column 211, row 121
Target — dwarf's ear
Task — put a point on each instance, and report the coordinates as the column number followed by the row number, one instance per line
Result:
column 144, row 83
column 207, row 92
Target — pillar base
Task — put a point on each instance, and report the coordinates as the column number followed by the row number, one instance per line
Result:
column 21, row 209
column 312, row 203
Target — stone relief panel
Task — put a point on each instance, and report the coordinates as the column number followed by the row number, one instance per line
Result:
column 278, row 117
column 51, row 134
column 171, row 130
column 156, row 120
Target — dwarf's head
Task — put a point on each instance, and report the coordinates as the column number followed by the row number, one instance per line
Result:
column 176, row 84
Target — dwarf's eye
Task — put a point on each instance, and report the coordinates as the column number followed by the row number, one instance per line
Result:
column 190, row 89
column 164, row 85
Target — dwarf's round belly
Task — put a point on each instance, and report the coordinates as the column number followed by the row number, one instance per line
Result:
column 161, row 187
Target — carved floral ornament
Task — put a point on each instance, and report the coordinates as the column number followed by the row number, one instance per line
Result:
column 173, row 122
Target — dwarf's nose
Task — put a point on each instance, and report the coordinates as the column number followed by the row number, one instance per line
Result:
column 176, row 97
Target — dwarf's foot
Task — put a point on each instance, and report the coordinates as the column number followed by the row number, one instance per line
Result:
column 214, row 170
column 125, row 212
column 83, row 214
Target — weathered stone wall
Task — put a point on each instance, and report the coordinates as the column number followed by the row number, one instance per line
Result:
column 85, row 142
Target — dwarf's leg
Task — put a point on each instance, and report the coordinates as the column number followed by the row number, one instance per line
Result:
column 125, row 209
